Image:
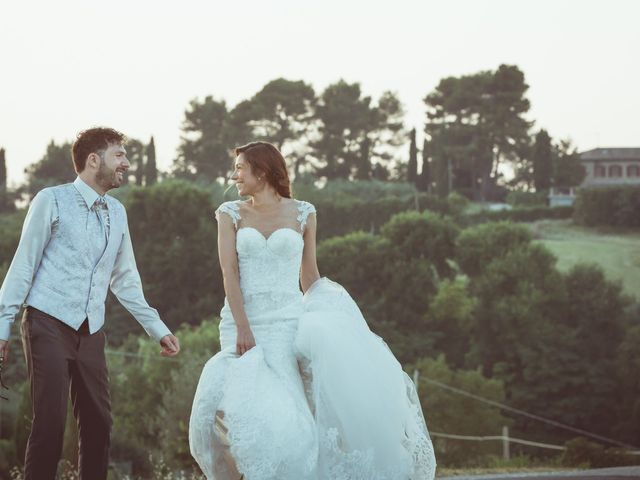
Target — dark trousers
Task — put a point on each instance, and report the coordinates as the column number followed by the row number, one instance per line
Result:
column 63, row 362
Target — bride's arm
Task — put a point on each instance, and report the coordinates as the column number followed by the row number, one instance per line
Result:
column 309, row 269
column 231, row 280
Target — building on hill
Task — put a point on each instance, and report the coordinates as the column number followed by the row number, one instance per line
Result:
column 611, row 166
column 604, row 167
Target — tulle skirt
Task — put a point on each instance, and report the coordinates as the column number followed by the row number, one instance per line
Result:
column 320, row 397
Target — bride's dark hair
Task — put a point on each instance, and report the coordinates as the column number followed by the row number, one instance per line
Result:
column 264, row 157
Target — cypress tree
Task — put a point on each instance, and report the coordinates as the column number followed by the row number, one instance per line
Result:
column 425, row 178
column 542, row 161
column 4, row 197
column 412, row 167
column 151, row 169
column 3, row 170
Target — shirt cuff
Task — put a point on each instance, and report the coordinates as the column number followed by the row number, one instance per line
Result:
column 158, row 330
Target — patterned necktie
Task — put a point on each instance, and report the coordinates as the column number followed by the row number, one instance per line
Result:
column 102, row 211
column 101, row 229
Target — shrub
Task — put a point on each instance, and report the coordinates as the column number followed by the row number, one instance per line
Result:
column 617, row 206
column 584, row 453
column 478, row 245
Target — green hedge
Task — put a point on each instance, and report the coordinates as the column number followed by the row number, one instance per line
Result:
column 528, row 199
column 608, row 206
column 340, row 216
column 524, row 214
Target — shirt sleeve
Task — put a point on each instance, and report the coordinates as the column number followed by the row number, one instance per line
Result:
column 127, row 287
column 36, row 233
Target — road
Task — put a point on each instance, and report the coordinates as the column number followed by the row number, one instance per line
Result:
column 617, row 473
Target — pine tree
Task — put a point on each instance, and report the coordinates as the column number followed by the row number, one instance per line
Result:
column 151, row 169
column 412, row 168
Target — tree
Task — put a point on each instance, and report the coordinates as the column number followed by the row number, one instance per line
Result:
column 442, row 408
column 598, row 324
column 282, row 113
column 152, row 397
column 425, row 179
column 449, row 320
column 177, row 262
column 135, row 154
column 151, row 170
column 568, row 171
column 550, row 163
column 628, row 381
column 204, row 151
column 356, row 135
column 478, row 246
column 54, row 168
column 3, row 170
column 542, row 161
column 477, row 122
column 6, row 201
column 388, row 135
column 536, row 330
column 402, row 267
column 412, row 168
column 517, row 331
column 415, row 235
column 441, row 171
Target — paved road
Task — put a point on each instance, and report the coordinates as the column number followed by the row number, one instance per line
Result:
column 618, row 473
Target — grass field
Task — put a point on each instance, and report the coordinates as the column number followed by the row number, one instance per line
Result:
column 617, row 252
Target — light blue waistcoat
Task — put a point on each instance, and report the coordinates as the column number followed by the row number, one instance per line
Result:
column 66, row 284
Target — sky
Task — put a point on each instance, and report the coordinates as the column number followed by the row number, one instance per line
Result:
column 135, row 65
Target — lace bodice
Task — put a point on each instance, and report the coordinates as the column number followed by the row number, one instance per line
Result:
column 269, row 266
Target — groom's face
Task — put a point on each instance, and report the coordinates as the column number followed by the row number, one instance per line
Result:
column 113, row 167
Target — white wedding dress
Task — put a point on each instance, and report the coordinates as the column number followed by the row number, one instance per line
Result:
column 320, row 397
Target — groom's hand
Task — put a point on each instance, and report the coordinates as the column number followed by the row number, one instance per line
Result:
column 170, row 346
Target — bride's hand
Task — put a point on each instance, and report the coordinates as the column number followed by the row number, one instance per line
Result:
column 245, row 341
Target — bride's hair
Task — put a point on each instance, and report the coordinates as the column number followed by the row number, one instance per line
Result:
column 267, row 159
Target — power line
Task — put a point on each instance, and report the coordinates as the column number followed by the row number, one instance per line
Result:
column 529, row 415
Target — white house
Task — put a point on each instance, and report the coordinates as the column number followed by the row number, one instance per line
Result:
column 604, row 167
column 611, row 166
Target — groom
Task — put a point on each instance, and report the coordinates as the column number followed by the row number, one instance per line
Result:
column 75, row 244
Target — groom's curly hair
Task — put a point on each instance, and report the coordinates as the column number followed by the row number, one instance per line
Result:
column 266, row 158
column 93, row 140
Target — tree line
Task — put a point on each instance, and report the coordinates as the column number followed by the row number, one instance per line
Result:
column 476, row 128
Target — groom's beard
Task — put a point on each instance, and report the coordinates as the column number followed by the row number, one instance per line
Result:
column 106, row 178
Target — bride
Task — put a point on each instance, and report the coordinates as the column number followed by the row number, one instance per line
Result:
column 301, row 388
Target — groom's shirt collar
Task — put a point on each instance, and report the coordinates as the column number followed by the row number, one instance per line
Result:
column 89, row 194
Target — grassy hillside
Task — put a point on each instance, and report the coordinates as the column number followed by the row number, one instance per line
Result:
column 617, row 252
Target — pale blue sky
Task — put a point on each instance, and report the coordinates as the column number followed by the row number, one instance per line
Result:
column 134, row 65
